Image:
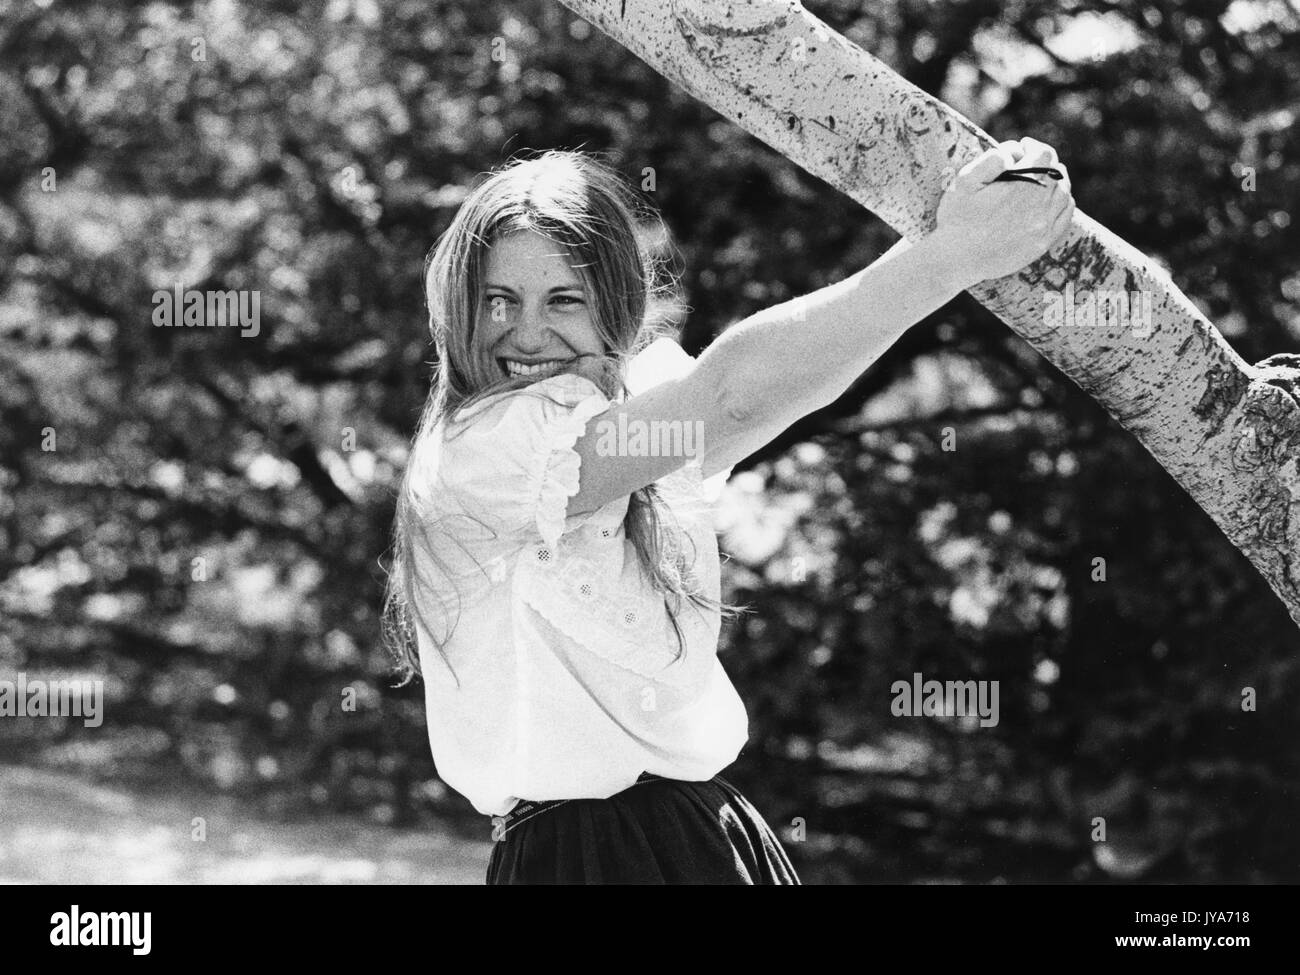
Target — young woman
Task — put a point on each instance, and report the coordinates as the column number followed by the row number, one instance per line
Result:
column 556, row 575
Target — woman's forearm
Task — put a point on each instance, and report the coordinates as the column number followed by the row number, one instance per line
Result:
column 779, row 365
column 797, row 357
column 764, row 373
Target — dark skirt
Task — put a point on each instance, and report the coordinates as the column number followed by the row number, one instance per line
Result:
column 662, row 831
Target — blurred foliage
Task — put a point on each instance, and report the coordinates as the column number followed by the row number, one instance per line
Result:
column 206, row 534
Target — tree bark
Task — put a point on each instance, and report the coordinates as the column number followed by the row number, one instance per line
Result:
column 1227, row 431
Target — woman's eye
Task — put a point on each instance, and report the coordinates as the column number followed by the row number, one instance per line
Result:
column 497, row 306
column 568, row 300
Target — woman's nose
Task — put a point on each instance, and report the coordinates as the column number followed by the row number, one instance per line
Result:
column 531, row 321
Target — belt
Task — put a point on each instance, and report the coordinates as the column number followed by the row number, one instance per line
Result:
column 526, row 809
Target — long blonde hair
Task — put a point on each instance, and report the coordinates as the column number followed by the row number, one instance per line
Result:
column 579, row 203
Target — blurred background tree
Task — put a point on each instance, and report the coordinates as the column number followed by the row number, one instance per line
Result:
column 206, row 533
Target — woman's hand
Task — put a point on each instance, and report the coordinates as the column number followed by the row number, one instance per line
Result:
column 992, row 229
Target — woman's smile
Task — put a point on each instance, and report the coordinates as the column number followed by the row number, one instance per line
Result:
column 540, row 368
column 534, row 297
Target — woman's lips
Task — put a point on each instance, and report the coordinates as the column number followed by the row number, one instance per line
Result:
column 545, row 367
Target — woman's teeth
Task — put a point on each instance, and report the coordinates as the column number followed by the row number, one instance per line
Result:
column 539, row 369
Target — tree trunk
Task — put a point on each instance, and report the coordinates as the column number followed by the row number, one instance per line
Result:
column 1227, row 431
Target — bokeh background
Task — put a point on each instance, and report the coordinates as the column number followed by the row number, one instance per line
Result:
column 314, row 151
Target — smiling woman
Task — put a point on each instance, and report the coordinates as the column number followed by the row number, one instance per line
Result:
column 583, row 672
column 536, row 319
column 557, row 701
column 543, row 271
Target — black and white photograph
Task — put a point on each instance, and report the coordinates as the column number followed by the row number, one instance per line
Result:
column 651, row 442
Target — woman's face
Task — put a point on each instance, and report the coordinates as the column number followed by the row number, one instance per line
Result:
column 536, row 314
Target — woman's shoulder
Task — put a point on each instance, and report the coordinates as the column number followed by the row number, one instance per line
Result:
column 661, row 360
column 564, row 390
column 507, row 460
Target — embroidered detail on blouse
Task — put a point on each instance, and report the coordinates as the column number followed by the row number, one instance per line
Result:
column 572, row 681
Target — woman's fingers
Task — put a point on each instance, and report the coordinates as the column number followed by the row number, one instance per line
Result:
column 1061, row 225
column 1012, row 154
column 1063, row 183
column 1062, row 188
column 1035, row 153
column 1012, row 150
column 985, row 167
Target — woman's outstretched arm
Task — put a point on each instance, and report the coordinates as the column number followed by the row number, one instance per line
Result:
column 764, row 373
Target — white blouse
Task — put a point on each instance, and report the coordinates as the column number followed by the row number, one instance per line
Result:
column 567, row 682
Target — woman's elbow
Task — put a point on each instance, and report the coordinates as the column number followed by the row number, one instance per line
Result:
column 735, row 406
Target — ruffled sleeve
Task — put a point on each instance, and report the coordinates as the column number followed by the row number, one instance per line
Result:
column 509, row 462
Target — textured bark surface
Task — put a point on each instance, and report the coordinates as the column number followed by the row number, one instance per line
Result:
column 1227, row 431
